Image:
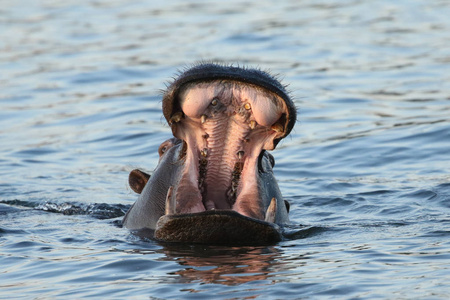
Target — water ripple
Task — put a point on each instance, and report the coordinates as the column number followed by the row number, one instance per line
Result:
column 365, row 169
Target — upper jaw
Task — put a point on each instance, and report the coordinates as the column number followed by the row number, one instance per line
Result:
column 224, row 127
column 207, row 72
column 225, row 124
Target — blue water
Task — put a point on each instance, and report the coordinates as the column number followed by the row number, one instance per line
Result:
column 366, row 168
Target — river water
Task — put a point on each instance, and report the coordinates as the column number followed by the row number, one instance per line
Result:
column 366, row 169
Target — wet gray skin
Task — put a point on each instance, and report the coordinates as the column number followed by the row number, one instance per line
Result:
column 214, row 182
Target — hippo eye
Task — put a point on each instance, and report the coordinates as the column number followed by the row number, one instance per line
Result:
column 164, row 147
column 264, row 159
column 272, row 160
column 214, row 101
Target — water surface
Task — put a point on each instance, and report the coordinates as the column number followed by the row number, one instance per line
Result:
column 366, row 169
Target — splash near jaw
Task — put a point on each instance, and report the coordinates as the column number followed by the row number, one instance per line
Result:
column 224, row 125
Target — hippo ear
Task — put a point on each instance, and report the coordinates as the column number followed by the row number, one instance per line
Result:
column 137, row 180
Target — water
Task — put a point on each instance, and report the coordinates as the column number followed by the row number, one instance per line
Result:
column 366, row 169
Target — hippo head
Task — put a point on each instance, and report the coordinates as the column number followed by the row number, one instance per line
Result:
column 214, row 181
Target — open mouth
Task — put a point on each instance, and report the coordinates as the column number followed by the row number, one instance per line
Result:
column 225, row 124
column 214, row 182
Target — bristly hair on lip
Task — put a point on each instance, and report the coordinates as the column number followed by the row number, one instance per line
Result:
column 209, row 71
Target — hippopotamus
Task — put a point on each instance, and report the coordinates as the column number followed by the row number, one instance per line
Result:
column 214, row 182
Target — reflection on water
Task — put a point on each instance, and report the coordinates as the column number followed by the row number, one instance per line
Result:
column 365, row 169
column 224, row 265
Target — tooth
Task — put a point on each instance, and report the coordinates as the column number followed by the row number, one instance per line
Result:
column 171, row 207
column 203, row 119
column 252, row 124
column 210, row 205
column 231, row 193
column 277, row 127
column 204, row 152
column 240, row 154
column 271, row 212
column 176, row 117
column 247, row 106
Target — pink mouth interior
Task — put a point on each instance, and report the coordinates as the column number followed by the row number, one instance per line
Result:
column 224, row 125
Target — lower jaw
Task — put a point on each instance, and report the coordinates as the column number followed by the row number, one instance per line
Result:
column 216, row 227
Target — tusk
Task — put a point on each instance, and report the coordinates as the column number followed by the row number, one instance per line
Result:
column 277, row 127
column 252, row 124
column 203, row 118
column 176, row 118
column 171, row 207
column 271, row 212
